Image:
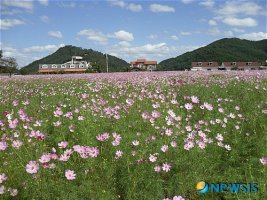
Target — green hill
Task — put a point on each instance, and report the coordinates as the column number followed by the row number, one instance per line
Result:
column 228, row 49
column 64, row 54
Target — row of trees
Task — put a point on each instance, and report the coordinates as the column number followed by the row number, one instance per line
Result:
column 7, row 64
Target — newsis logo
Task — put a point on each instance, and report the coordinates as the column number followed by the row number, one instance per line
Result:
column 204, row 187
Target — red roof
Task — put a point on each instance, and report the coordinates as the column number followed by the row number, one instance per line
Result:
column 143, row 61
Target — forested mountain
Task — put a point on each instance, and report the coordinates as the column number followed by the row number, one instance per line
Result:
column 64, row 54
column 228, row 49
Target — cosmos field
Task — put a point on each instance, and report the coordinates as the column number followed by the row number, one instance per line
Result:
column 132, row 135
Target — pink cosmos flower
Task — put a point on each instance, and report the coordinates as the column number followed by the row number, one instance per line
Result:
column 164, row 148
column 13, row 192
column 64, row 157
column 3, row 145
column 13, row 123
column 169, row 132
column 208, row 106
column 93, row 152
column 263, row 160
column 155, row 114
column 178, row 198
column 157, row 168
column 130, row 102
column 81, row 118
column 152, row 158
column 32, row 167
column 45, row 158
column 70, row 175
column 63, row 144
column 194, row 99
column 219, row 137
column 173, row 144
column 57, row 123
column 118, row 154
column 2, row 189
column 102, row 137
column 166, row 167
column 17, row 144
column 188, row 106
column 3, row 177
column 58, row 113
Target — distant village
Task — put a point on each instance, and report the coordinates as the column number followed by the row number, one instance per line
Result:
column 78, row 65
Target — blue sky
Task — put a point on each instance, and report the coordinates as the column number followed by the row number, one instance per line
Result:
column 151, row 29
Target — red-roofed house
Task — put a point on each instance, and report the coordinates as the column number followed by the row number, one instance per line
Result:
column 143, row 65
column 204, row 66
column 241, row 65
column 214, row 66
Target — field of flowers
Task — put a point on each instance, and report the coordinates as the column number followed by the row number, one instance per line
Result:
column 132, row 135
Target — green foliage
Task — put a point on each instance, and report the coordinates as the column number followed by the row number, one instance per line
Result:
column 228, row 49
column 8, row 64
column 64, row 54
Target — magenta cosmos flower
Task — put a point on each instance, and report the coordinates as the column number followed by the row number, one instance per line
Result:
column 32, row 167
column 263, row 160
column 70, row 175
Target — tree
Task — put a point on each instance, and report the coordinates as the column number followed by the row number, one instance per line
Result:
column 7, row 65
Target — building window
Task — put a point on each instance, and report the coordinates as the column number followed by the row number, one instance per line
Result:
column 233, row 63
column 210, row 63
column 63, row 66
column 44, row 66
column 209, row 69
column 54, row 66
column 81, row 66
column 249, row 63
column 72, row 66
column 199, row 64
column 253, row 69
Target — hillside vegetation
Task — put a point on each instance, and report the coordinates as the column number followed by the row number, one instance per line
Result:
column 228, row 49
column 64, row 54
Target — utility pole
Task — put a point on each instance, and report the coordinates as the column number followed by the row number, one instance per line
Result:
column 107, row 61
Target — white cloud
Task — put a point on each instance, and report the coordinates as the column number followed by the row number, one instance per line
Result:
column 6, row 24
column 124, row 43
column 56, row 34
column 212, row 22
column 27, row 55
column 43, row 2
column 174, row 37
column 228, row 34
column 254, row 36
column 122, row 35
column 134, row 7
column 45, row 48
column 67, row 5
column 240, row 7
column 187, row 1
column 161, row 8
column 147, row 51
column 45, row 19
column 213, row 31
column 95, row 36
column 28, row 5
column 152, row 37
column 207, row 3
column 119, row 3
column 185, row 33
column 237, row 30
column 245, row 22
